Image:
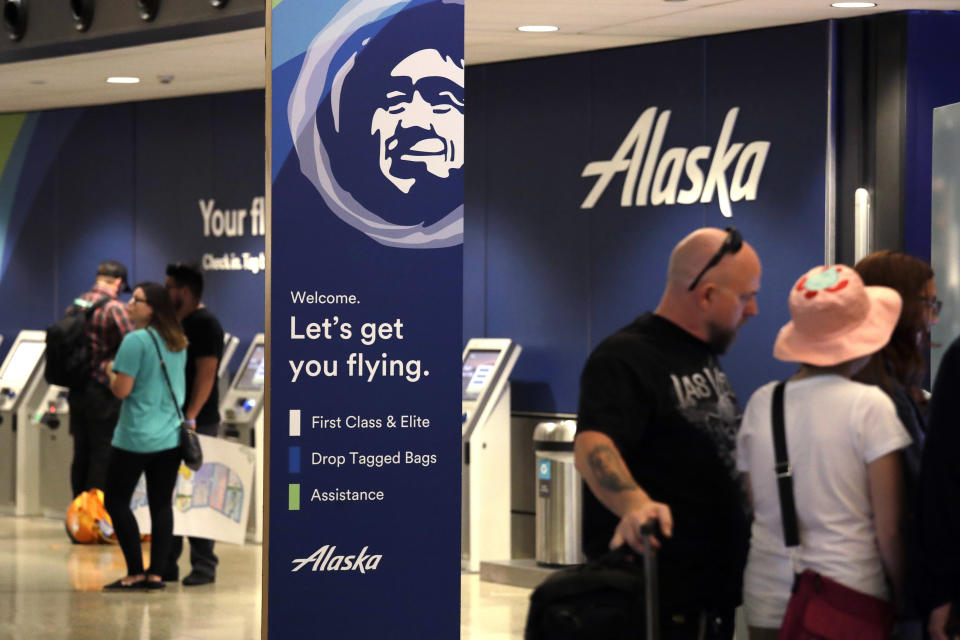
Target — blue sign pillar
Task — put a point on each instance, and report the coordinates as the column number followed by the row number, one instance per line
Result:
column 366, row 310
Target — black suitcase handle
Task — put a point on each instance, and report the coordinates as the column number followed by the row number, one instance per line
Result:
column 652, row 590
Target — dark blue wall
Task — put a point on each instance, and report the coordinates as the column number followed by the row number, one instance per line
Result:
column 124, row 182
column 933, row 49
column 558, row 278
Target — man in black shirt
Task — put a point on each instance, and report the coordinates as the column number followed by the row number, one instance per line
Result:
column 201, row 407
column 939, row 510
column 656, row 434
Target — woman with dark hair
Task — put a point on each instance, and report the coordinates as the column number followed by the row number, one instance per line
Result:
column 147, row 437
column 900, row 369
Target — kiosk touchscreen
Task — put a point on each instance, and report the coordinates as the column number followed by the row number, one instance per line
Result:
column 242, row 412
column 485, row 431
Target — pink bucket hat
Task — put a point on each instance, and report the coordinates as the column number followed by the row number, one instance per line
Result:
column 834, row 318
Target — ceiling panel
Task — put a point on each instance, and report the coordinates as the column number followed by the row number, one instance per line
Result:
column 235, row 61
column 213, row 64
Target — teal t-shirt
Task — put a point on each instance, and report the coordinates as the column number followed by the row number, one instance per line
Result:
column 149, row 420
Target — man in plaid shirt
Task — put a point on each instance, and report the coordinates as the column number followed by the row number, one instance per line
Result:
column 93, row 408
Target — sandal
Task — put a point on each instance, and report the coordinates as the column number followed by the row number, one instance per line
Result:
column 118, row 585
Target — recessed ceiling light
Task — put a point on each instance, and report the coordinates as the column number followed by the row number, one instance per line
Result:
column 538, row 28
column 123, row 80
column 853, row 5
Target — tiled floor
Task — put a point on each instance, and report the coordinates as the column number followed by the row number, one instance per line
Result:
column 49, row 590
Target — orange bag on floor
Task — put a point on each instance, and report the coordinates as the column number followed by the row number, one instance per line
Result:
column 88, row 521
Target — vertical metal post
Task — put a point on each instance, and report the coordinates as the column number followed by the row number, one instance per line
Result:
column 863, row 225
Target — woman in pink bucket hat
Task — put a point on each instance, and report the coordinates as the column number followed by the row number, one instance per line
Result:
column 842, row 441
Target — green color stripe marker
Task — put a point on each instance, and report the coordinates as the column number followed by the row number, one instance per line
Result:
column 294, row 497
column 10, row 125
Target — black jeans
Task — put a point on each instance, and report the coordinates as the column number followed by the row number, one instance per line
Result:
column 161, row 472
column 94, row 411
column 203, row 560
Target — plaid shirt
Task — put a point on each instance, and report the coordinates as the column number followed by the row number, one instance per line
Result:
column 106, row 329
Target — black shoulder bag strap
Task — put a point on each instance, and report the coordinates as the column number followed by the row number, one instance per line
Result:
column 788, row 507
column 163, row 367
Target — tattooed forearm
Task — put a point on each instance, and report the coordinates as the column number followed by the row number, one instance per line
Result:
column 609, row 470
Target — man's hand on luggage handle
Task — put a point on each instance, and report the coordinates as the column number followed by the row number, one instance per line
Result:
column 628, row 530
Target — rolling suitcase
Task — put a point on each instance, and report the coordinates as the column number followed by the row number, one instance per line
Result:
column 615, row 597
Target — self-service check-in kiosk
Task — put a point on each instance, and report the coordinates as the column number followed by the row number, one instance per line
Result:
column 49, row 422
column 230, row 343
column 485, row 479
column 242, row 413
column 23, row 392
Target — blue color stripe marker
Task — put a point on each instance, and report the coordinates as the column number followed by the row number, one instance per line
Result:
column 294, row 459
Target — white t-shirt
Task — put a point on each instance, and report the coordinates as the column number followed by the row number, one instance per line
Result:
column 835, row 427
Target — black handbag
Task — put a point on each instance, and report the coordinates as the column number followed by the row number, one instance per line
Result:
column 190, row 449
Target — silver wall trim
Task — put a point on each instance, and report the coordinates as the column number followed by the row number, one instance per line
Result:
column 830, row 186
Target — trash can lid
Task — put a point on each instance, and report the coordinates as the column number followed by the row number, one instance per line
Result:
column 562, row 431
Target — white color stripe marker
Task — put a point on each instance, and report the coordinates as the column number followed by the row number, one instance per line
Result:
column 294, row 423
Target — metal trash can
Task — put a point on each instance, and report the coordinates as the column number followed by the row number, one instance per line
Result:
column 559, row 489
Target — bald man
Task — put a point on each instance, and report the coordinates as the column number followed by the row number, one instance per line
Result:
column 656, row 431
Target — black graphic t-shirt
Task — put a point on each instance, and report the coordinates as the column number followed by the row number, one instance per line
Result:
column 205, row 338
column 659, row 393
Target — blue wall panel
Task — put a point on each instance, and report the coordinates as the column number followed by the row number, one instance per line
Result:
column 475, row 217
column 561, row 277
column 536, row 260
column 95, row 185
column 779, row 79
column 124, row 182
column 933, row 49
column 630, row 246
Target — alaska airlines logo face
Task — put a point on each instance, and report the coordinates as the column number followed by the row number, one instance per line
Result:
column 326, row 559
column 654, row 179
column 377, row 116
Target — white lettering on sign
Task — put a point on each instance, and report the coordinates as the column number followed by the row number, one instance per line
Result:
column 232, row 223
column 652, row 178
column 245, row 261
column 326, row 559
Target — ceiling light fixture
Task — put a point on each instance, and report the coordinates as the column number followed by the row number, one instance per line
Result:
column 853, row 5
column 15, row 18
column 219, row 4
column 123, row 80
column 538, row 28
column 82, row 14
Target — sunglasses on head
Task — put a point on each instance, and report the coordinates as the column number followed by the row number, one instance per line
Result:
column 731, row 244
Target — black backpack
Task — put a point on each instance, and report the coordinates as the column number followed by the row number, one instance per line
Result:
column 69, row 352
column 600, row 600
column 614, row 597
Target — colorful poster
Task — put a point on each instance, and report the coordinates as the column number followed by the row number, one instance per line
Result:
column 366, row 308
column 212, row 502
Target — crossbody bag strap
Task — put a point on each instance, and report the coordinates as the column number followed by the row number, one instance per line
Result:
column 783, row 470
column 163, row 367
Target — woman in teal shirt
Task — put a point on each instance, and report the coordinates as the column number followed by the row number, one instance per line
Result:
column 147, row 437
